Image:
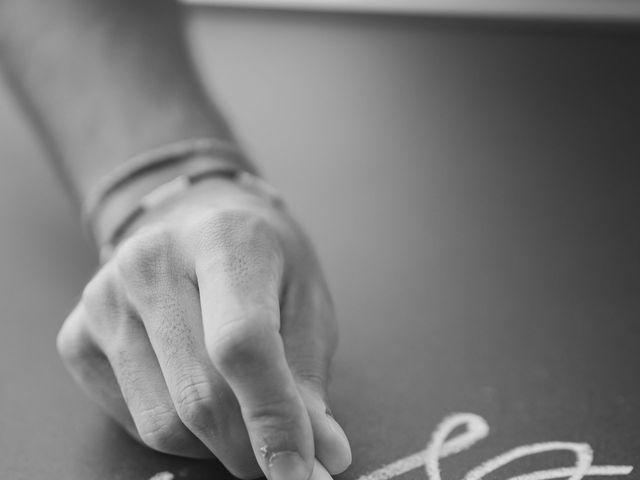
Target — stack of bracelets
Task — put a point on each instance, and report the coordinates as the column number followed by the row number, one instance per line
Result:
column 198, row 159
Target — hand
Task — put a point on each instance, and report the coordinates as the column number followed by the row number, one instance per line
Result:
column 210, row 332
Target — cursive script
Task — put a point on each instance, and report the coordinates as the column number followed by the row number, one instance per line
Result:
column 475, row 428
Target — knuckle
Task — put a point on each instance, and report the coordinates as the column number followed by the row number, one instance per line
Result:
column 239, row 345
column 233, row 235
column 142, row 258
column 101, row 292
column 274, row 416
column 196, row 406
column 71, row 344
column 161, row 430
column 105, row 304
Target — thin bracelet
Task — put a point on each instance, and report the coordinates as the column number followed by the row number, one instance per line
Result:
column 224, row 155
column 178, row 185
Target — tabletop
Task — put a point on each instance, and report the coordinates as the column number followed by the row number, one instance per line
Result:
column 473, row 190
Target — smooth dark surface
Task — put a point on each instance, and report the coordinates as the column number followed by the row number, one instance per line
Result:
column 473, row 189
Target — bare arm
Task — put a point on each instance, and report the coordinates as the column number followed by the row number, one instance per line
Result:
column 211, row 329
column 104, row 80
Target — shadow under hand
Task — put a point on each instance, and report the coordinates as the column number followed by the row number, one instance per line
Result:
column 109, row 452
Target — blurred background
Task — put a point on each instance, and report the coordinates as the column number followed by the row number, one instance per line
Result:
column 619, row 10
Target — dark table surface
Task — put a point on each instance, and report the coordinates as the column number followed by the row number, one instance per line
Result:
column 474, row 192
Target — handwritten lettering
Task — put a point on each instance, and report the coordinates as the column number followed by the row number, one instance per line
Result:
column 475, row 428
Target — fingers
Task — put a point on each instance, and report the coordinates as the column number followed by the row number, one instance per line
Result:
column 116, row 331
column 169, row 305
column 319, row 472
column 143, row 387
column 310, row 336
column 190, row 351
column 239, row 281
column 331, row 444
column 90, row 368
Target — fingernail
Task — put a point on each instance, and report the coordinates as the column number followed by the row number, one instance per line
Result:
column 287, row 466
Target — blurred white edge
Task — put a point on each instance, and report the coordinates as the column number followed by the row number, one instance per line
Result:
column 590, row 10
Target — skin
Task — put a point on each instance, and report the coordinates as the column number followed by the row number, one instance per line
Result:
column 210, row 331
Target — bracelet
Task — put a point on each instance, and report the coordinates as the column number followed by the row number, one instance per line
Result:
column 178, row 185
column 149, row 160
column 197, row 159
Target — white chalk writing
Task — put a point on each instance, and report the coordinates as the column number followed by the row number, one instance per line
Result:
column 475, row 429
column 163, row 476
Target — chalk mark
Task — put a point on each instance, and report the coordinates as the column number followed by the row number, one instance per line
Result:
column 476, row 428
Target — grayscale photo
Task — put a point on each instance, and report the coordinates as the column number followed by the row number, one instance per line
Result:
column 318, row 239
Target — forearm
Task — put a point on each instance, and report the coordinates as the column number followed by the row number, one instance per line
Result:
column 103, row 80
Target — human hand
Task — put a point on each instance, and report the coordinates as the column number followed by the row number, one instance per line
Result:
column 210, row 332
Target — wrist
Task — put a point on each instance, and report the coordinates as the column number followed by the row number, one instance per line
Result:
column 119, row 213
column 155, row 180
column 117, row 198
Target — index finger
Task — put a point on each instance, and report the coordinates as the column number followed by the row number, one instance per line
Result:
column 239, row 296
